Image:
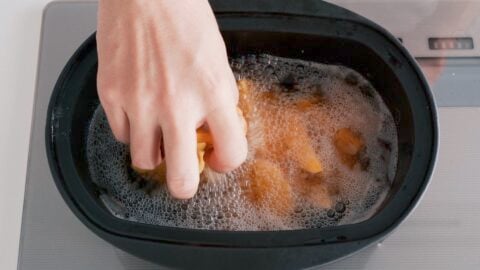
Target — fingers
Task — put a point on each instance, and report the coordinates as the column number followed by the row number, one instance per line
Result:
column 118, row 122
column 145, row 141
column 180, row 146
column 233, row 85
column 229, row 141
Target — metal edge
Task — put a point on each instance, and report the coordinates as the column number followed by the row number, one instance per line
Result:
column 33, row 123
column 32, row 128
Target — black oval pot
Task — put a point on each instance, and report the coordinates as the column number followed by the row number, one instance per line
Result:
column 310, row 30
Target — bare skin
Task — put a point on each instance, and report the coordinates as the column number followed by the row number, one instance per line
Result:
column 163, row 72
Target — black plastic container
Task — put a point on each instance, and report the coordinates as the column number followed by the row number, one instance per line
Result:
column 310, row 30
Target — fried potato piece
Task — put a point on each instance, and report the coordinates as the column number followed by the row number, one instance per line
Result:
column 268, row 187
column 307, row 103
column 292, row 143
column 315, row 189
column 298, row 142
column 245, row 98
column 319, row 196
column 304, row 104
column 348, row 143
column 201, row 148
column 203, row 136
column 159, row 174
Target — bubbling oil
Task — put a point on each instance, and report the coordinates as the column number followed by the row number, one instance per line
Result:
column 287, row 95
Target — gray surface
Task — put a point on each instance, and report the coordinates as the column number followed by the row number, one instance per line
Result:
column 455, row 81
column 441, row 234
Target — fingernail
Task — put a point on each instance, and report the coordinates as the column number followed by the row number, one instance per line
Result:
column 183, row 187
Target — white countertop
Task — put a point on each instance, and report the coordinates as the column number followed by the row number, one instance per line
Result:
column 20, row 22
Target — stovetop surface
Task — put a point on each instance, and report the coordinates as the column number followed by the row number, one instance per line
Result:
column 442, row 233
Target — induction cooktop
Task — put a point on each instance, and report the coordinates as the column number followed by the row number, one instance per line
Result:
column 442, row 233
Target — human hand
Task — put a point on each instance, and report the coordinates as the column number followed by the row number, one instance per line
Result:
column 163, row 72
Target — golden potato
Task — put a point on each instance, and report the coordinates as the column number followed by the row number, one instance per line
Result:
column 298, row 142
column 315, row 189
column 268, row 187
column 307, row 103
column 319, row 196
column 246, row 98
column 159, row 174
column 348, row 144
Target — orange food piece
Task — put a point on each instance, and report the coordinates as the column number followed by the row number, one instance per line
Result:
column 319, row 196
column 298, row 141
column 203, row 136
column 315, row 189
column 245, row 98
column 291, row 143
column 201, row 148
column 268, row 187
column 159, row 174
column 348, row 144
column 304, row 104
column 308, row 102
column 266, row 182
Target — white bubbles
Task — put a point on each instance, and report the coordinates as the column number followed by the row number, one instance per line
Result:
column 342, row 98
